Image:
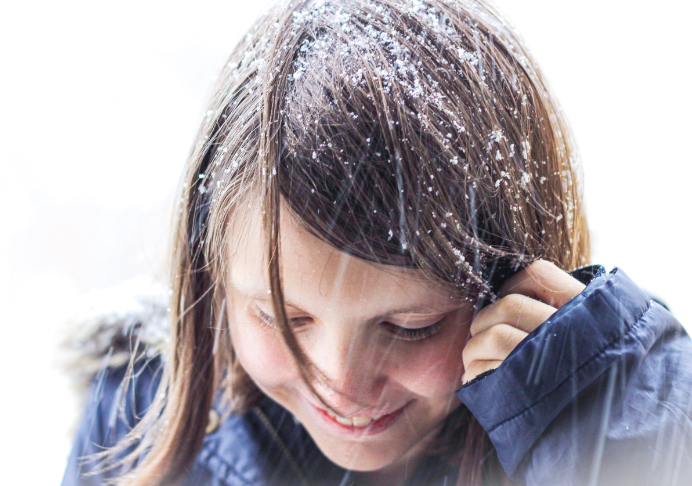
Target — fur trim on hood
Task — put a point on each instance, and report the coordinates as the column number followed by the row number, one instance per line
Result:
column 105, row 330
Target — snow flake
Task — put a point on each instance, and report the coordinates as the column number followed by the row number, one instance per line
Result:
column 459, row 255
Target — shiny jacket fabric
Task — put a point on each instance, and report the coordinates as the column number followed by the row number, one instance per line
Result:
column 601, row 393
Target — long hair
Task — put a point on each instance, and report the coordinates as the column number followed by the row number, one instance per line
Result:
column 417, row 134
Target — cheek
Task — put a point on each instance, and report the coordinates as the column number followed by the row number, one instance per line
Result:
column 262, row 354
column 433, row 370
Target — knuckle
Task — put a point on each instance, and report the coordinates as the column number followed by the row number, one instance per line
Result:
column 511, row 304
column 498, row 335
column 476, row 323
column 474, row 368
column 543, row 265
column 479, row 367
column 472, row 371
column 467, row 353
column 503, row 337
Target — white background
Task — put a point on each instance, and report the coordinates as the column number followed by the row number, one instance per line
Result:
column 99, row 103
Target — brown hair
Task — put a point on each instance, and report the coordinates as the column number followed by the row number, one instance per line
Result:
column 408, row 133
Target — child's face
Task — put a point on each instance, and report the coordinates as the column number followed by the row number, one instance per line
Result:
column 347, row 314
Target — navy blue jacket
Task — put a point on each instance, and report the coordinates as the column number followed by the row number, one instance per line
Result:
column 601, row 393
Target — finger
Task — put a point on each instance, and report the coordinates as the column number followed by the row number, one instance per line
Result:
column 544, row 281
column 516, row 310
column 478, row 367
column 492, row 344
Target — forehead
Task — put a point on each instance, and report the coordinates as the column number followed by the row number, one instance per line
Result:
column 318, row 277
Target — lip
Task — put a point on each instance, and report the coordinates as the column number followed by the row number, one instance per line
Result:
column 376, row 427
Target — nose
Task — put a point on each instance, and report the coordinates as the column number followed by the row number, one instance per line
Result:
column 354, row 371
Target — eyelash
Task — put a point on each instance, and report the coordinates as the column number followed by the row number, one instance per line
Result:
column 419, row 334
column 269, row 321
column 402, row 333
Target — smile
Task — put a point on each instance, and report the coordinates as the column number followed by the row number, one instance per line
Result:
column 359, row 425
column 353, row 421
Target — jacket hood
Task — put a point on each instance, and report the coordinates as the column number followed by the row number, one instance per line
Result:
column 112, row 324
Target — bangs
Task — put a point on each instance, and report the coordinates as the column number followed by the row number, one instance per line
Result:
column 403, row 149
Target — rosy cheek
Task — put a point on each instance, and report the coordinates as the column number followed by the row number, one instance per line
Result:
column 434, row 369
column 263, row 355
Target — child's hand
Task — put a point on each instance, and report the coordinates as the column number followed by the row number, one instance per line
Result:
column 526, row 300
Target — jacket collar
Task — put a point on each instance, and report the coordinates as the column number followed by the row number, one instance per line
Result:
column 267, row 446
column 264, row 447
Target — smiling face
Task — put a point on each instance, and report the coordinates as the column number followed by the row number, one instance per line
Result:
column 387, row 343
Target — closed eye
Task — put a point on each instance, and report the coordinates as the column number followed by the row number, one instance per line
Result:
column 418, row 334
column 269, row 320
column 403, row 333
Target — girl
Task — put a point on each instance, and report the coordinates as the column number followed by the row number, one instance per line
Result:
column 369, row 279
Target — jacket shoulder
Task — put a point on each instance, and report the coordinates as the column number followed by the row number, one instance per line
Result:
column 592, row 393
column 118, row 399
column 129, row 323
column 232, row 455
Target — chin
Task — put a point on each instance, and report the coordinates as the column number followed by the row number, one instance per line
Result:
column 365, row 453
column 360, row 457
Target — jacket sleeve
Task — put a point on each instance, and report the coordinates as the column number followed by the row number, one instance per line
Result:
column 113, row 408
column 601, row 393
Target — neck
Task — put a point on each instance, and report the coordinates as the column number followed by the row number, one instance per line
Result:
column 398, row 473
